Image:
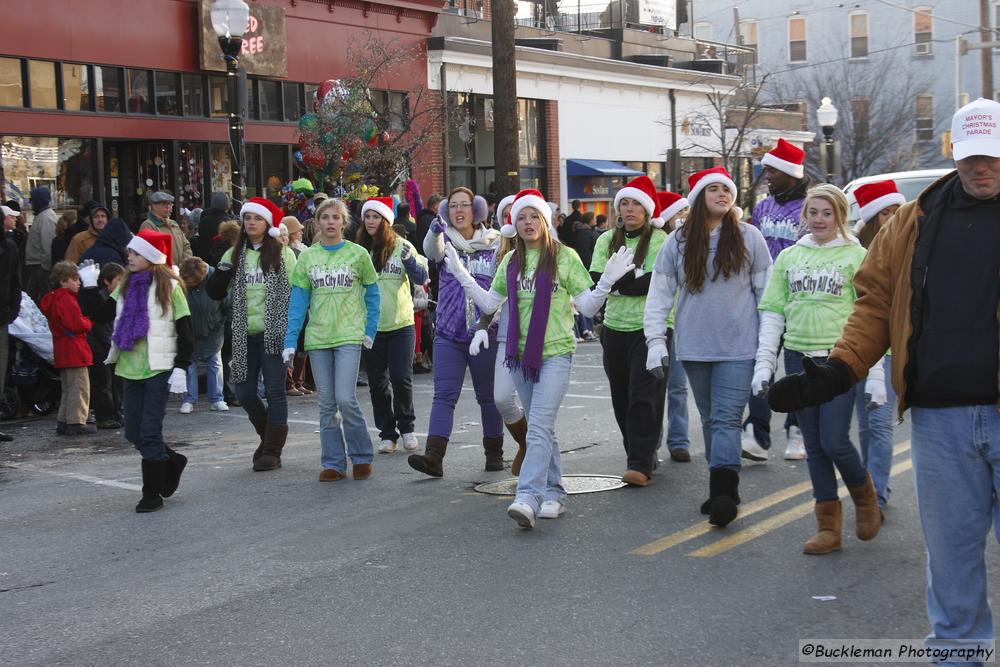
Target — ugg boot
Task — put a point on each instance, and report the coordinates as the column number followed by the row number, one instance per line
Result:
column 494, row 453
column 260, row 426
column 829, row 521
column 706, row 506
column 274, row 441
column 429, row 462
column 867, row 517
column 519, row 431
column 172, row 475
column 723, row 496
column 152, row 483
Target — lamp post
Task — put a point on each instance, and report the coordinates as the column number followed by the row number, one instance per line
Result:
column 229, row 21
column 826, row 115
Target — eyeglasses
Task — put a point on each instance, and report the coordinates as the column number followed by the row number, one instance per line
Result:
column 459, row 205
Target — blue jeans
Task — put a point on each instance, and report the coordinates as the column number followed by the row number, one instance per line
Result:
column 826, row 433
column 145, row 403
column 213, row 378
column 335, row 371
column 677, row 402
column 956, row 465
column 721, row 390
column 274, row 372
column 875, row 434
column 541, row 471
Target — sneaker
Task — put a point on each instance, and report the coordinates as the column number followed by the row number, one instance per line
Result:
column 551, row 509
column 751, row 450
column 386, row 447
column 589, row 336
column 109, row 424
column 523, row 514
column 410, row 443
column 220, row 406
column 186, row 408
column 796, row 449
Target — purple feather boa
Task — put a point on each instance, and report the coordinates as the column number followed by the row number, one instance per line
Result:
column 133, row 323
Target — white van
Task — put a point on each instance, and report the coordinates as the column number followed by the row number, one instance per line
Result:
column 909, row 183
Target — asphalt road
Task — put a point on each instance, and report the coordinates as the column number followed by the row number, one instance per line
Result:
column 244, row 568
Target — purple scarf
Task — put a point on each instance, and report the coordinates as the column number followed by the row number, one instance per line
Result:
column 133, row 323
column 531, row 363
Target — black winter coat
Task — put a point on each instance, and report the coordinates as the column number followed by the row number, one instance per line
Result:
column 110, row 245
column 10, row 278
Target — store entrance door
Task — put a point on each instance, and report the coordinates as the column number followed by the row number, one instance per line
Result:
column 135, row 169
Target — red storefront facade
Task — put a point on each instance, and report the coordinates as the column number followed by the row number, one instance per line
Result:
column 108, row 101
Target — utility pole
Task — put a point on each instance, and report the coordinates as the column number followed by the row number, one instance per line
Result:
column 736, row 25
column 505, row 131
column 986, row 55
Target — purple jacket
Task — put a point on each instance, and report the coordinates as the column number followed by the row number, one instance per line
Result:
column 456, row 315
column 779, row 223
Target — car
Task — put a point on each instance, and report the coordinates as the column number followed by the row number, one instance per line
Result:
column 909, row 183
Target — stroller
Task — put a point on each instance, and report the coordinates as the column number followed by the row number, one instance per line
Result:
column 32, row 383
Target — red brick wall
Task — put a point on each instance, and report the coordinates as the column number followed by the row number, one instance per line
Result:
column 551, row 120
column 431, row 163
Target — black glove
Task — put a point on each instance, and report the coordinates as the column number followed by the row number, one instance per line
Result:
column 819, row 384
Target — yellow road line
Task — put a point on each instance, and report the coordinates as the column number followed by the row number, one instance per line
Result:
column 682, row 536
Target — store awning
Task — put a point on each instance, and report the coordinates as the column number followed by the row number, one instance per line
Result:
column 599, row 168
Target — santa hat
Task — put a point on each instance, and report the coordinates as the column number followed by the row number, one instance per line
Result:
column 382, row 206
column 700, row 180
column 154, row 246
column 643, row 191
column 532, row 199
column 507, row 230
column 670, row 204
column 787, row 158
column 265, row 209
column 873, row 197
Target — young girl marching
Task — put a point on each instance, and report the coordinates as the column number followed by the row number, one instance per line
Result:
column 461, row 225
column 335, row 282
column 718, row 268
column 808, row 299
column 637, row 397
column 257, row 270
column 877, row 201
column 151, row 349
column 390, row 360
column 542, row 278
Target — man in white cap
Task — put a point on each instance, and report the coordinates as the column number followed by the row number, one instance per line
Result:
column 930, row 289
column 161, row 203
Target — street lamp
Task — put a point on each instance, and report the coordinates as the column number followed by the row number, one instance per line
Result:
column 229, row 21
column 826, row 115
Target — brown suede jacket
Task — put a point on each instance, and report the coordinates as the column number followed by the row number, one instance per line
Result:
column 881, row 317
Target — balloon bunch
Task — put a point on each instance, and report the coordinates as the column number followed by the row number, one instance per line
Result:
column 297, row 200
column 362, row 192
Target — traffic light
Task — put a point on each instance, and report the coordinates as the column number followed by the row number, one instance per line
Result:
column 946, row 143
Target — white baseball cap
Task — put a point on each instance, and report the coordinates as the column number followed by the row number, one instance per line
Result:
column 9, row 211
column 975, row 130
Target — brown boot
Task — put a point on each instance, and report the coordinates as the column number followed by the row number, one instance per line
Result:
column 260, row 426
column 274, row 441
column 867, row 517
column 519, row 431
column 361, row 471
column 829, row 521
column 429, row 462
column 494, row 453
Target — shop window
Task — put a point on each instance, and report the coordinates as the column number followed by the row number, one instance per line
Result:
column 292, row 94
column 922, row 30
column 191, row 174
column 399, row 112
column 218, row 96
column 222, row 169
column 167, row 86
column 462, row 130
column 42, row 78
column 76, row 87
column 532, row 178
column 193, row 94
column 269, row 99
column 484, row 130
column 858, row 26
column 253, row 172
column 529, row 132
column 797, row 39
column 108, row 88
column 65, row 166
column 274, row 169
column 137, row 91
column 11, row 90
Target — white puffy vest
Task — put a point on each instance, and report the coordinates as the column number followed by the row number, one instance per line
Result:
column 161, row 339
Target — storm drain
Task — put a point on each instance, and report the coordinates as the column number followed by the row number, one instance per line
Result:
column 574, row 484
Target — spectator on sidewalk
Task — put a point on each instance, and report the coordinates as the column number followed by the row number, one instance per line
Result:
column 208, row 323
column 105, row 387
column 208, row 226
column 10, row 297
column 38, row 254
column 97, row 220
column 161, row 203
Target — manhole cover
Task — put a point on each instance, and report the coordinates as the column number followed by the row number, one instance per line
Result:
column 574, row 484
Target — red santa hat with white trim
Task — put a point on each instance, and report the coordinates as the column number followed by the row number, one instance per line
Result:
column 267, row 210
column 155, row 247
column 507, row 229
column 671, row 204
column 786, row 157
column 642, row 190
column 382, row 206
column 533, row 199
column 873, row 197
column 700, row 180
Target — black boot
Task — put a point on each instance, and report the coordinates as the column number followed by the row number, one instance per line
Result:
column 430, row 461
column 274, row 441
column 723, row 496
column 152, row 483
column 494, row 453
column 172, row 473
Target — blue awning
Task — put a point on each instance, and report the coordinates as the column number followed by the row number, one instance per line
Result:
column 599, row 168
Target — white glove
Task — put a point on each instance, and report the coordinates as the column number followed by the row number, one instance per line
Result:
column 457, row 268
column 875, row 393
column 88, row 273
column 619, row 264
column 178, row 383
column 287, row 355
column 368, row 342
column 761, row 380
column 639, row 273
column 657, row 359
column 480, row 342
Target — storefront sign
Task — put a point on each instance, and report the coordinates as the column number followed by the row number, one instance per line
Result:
column 658, row 12
column 593, row 187
column 264, row 48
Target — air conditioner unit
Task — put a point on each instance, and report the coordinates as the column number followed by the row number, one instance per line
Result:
column 923, row 49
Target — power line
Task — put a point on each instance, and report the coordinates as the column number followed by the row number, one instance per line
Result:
column 932, row 15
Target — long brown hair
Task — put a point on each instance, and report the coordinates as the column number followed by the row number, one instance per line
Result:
column 380, row 245
column 618, row 240
column 270, row 250
column 163, row 277
column 547, row 258
column 730, row 255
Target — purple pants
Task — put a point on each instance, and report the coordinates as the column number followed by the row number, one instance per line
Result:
column 450, row 360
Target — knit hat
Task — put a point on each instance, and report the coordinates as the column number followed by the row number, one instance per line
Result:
column 382, row 206
column 533, row 199
column 787, row 158
column 507, row 229
column 220, row 201
column 643, row 191
column 265, row 209
column 873, row 197
column 669, row 203
column 700, row 180
column 154, row 246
